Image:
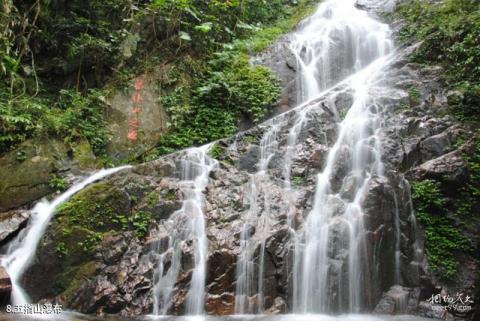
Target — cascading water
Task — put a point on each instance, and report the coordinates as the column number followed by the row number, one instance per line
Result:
column 337, row 41
column 187, row 225
column 22, row 251
column 339, row 44
column 250, row 272
column 334, row 231
column 334, row 43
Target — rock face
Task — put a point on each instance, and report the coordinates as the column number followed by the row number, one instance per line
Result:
column 11, row 222
column 28, row 170
column 120, row 275
column 281, row 60
column 5, row 286
column 126, row 105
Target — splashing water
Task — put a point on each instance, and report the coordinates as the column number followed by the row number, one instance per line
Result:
column 334, row 232
column 187, row 225
column 337, row 41
column 22, row 251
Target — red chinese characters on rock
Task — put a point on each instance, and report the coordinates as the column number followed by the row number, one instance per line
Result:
column 137, row 99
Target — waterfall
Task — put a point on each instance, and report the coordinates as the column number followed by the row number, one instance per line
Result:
column 338, row 44
column 187, row 225
column 340, row 49
column 22, row 251
column 334, row 43
column 338, row 26
column 249, row 272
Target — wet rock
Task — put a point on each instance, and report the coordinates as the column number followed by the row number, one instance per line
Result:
column 5, row 286
column 279, row 306
column 395, row 301
column 451, row 167
column 11, row 222
column 220, row 304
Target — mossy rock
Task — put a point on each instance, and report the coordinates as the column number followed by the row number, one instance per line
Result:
column 27, row 170
column 72, row 239
column 72, row 279
column 95, row 209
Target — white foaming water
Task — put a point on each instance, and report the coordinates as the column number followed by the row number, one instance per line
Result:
column 337, row 41
column 334, row 231
column 186, row 225
column 249, row 273
column 22, row 251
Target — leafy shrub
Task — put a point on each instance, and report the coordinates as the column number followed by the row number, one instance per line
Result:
column 443, row 237
column 230, row 89
column 449, row 33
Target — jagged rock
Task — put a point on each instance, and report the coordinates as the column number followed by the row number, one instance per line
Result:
column 451, row 167
column 5, row 286
column 279, row 306
column 11, row 222
column 220, row 304
column 281, row 60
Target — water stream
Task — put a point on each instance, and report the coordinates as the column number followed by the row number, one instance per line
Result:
column 339, row 43
column 21, row 251
column 187, row 228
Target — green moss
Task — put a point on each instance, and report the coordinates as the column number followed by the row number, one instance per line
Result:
column 93, row 208
column 72, row 279
column 84, row 154
column 251, row 139
column 152, row 199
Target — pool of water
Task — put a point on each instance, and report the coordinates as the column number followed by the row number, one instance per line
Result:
column 68, row 316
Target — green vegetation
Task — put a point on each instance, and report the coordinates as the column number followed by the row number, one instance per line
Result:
column 52, row 57
column 57, row 183
column 60, row 60
column 446, row 215
column 443, row 237
column 449, row 33
column 216, row 151
column 298, row 180
column 84, row 220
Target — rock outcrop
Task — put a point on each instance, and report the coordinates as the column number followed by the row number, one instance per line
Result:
column 5, row 286
column 11, row 222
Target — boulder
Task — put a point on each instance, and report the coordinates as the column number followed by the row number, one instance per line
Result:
column 5, row 286
column 11, row 222
column 28, row 170
column 451, row 167
column 394, row 301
